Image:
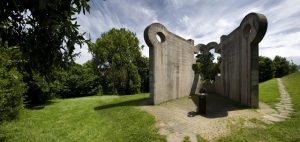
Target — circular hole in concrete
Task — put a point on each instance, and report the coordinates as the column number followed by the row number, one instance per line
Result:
column 160, row 37
column 247, row 30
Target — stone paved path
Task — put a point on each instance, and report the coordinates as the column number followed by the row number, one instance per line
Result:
column 174, row 121
column 284, row 108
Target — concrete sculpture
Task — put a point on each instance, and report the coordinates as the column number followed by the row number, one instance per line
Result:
column 171, row 59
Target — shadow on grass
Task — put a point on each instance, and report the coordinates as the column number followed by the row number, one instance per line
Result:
column 137, row 102
column 2, row 139
column 40, row 106
column 216, row 106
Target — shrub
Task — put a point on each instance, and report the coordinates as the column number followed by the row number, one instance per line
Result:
column 11, row 84
column 40, row 90
column 281, row 66
column 266, row 68
column 78, row 81
column 11, row 93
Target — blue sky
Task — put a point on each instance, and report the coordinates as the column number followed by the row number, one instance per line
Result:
column 202, row 20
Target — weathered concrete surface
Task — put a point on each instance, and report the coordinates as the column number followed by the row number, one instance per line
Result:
column 239, row 67
column 171, row 60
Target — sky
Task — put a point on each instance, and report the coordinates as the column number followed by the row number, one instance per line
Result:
column 202, row 20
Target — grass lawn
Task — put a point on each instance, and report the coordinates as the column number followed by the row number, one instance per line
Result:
column 288, row 131
column 116, row 119
column 269, row 93
column 96, row 118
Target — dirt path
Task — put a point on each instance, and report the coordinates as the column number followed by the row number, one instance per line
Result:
column 176, row 119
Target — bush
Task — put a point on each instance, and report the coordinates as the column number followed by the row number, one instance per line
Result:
column 122, row 80
column 11, row 93
column 279, row 67
column 266, row 68
column 77, row 81
column 293, row 67
column 282, row 67
column 11, row 84
column 40, row 90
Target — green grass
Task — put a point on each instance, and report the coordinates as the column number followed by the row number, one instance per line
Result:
column 116, row 119
column 200, row 139
column 286, row 131
column 269, row 93
column 97, row 118
column 186, row 139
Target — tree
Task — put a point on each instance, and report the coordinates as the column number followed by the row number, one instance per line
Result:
column 205, row 66
column 293, row 67
column 282, row 67
column 143, row 68
column 45, row 31
column 217, row 66
column 266, row 68
column 133, row 80
column 115, row 57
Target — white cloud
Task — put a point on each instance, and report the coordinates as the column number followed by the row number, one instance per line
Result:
column 204, row 21
column 291, row 52
column 176, row 4
column 84, row 54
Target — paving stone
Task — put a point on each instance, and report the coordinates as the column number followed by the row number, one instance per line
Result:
column 284, row 111
column 272, row 118
column 290, row 109
column 285, row 114
column 280, row 116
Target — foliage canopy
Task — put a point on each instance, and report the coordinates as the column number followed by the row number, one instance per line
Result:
column 115, row 59
column 206, row 67
column 45, row 32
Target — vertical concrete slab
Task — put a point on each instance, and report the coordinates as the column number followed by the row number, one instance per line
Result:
column 239, row 68
column 171, row 60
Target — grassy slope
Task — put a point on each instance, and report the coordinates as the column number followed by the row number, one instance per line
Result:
column 98, row 118
column 268, row 92
column 283, row 131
